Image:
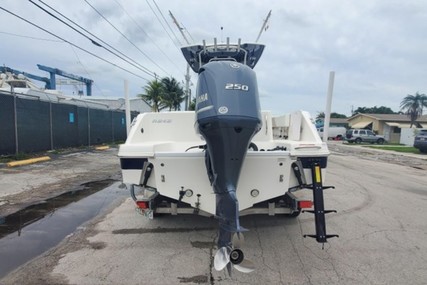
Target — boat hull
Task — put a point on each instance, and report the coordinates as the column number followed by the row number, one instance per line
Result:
column 179, row 164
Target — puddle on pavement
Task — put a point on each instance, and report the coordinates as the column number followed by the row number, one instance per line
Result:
column 35, row 229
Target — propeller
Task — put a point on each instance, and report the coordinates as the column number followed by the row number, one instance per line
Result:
column 233, row 255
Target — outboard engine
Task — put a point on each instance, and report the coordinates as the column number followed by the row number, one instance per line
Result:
column 228, row 116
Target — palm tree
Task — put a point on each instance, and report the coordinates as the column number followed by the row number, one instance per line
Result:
column 192, row 106
column 153, row 95
column 173, row 94
column 413, row 106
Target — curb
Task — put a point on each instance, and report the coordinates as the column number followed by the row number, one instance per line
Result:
column 27, row 161
column 102, row 147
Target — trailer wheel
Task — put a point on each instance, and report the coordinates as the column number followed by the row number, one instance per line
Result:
column 158, row 215
column 294, row 214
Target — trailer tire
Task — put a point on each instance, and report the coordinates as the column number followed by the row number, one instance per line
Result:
column 294, row 214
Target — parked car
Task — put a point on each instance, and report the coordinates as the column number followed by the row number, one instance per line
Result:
column 420, row 141
column 362, row 135
column 337, row 133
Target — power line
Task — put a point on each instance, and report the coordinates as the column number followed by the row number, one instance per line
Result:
column 188, row 32
column 148, row 36
column 80, row 48
column 143, row 69
column 29, row 37
column 123, row 35
column 163, row 26
column 181, row 30
column 87, row 72
column 167, row 23
column 135, row 64
column 187, row 76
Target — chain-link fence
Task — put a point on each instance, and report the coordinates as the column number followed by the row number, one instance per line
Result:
column 28, row 124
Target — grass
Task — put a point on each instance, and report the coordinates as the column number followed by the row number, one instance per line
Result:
column 19, row 156
column 398, row 148
column 389, row 146
column 116, row 143
column 373, row 145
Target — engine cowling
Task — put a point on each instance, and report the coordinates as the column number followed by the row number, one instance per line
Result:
column 227, row 116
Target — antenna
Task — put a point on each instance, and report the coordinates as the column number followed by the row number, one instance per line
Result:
column 179, row 27
column 264, row 26
column 187, row 75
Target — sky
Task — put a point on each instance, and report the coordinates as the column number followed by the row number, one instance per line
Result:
column 377, row 48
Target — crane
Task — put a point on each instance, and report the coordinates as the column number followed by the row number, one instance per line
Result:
column 55, row 71
column 46, row 80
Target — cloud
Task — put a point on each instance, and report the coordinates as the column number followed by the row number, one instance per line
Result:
column 376, row 48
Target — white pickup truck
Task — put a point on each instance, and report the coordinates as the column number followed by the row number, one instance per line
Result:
column 337, row 133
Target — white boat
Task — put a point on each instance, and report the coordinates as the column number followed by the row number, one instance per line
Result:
column 21, row 86
column 169, row 142
column 227, row 159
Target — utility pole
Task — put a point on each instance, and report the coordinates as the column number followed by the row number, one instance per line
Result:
column 127, row 107
column 264, row 26
column 187, row 75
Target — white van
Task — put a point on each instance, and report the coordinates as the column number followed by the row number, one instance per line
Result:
column 337, row 133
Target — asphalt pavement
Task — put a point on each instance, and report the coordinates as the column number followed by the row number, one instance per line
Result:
column 381, row 203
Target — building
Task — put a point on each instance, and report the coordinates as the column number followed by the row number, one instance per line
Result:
column 338, row 122
column 333, row 122
column 388, row 125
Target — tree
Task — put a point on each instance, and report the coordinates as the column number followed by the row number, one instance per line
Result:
column 153, row 95
column 162, row 94
column 192, row 106
column 413, row 106
column 374, row 110
column 173, row 94
column 321, row 115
